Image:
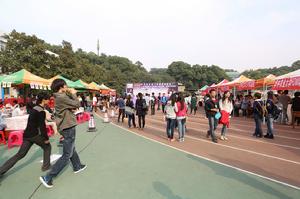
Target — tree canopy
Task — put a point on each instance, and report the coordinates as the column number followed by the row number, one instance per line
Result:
column 32, row 53
column 277, row 71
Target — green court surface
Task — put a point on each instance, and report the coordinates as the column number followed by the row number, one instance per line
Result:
column 124, row 165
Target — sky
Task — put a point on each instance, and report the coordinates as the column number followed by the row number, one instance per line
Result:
column 233, row 34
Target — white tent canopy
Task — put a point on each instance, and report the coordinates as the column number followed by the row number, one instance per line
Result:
column 295, row 73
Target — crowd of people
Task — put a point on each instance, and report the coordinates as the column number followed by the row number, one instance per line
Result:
column 218, row 110
column 175, row 108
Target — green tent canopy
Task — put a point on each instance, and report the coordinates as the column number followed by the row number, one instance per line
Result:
column 82, row 84
column 70, row 83
column 203, row 88
column 25, row 77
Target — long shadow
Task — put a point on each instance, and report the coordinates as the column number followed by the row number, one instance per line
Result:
column 241, row 177
column 164, row 190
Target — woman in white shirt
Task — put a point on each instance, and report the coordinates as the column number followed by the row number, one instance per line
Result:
column 226, row 106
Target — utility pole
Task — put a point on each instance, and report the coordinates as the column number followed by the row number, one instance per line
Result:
column 98, row 47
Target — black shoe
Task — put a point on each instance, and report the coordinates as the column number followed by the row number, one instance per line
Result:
column 269, row 136
column 215, row 140
column 82, row 167
column 254, row 134
column 207, row 134
column 46, row 181
column 259, row 135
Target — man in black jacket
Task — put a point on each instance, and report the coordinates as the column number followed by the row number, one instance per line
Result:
column 35, row 133
column 211, row 108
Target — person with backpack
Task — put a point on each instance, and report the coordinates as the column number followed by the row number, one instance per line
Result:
column 181, row 112
column 35, row 133
column 163, row 100
column 211, row 109
column 296, row 106
column 193, row 104
column 141, row 110
column 170, row 116
column 258, row 112
column 271, row 111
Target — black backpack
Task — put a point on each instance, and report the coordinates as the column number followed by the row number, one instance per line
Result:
column 276, row 112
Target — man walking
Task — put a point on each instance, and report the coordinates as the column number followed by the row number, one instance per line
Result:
column 35, row 133
column 66, row 103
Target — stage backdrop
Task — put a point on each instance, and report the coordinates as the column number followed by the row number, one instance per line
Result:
column 150, row 88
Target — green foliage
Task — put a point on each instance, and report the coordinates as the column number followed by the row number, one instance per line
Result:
column 260, row 73
column 29, row 52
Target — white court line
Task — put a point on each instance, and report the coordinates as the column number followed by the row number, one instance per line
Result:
column 202, row 157
column 235, row 129
column 239, row 137
column 239, row 124
column 235, row 148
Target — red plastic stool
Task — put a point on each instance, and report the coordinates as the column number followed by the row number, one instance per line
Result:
column 86, row 116
column 50, row 131
column 15, row 138
column 80, row 118
column 2, row 138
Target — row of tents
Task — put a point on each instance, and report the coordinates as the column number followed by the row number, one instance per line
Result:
column 289, row 81
column 25, row 77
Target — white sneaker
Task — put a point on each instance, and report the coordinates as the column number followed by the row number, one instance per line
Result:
column 222, row 137
column 225, row 138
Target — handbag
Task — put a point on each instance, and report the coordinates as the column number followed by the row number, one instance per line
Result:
column 218, row 115
column 129, row 110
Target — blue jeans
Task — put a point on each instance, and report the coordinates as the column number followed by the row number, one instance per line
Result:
column 170, row 127
column 69, row 153
column 270, row 124
column 258, row 121
column 213, row 123
column 131, row 117
column 181, row 127
column 224, row 129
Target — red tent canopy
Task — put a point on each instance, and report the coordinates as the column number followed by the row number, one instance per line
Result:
column 290, row 81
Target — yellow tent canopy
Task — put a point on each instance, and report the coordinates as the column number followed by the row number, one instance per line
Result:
column 103, row 87
column 94, row 86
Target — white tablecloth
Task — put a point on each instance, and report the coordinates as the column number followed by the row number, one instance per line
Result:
column 16, row 123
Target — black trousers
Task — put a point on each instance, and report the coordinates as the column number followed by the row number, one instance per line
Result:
column 141, row 121
column 26, row 145
column 163, row 107
column 152, row 108
column 121, row 113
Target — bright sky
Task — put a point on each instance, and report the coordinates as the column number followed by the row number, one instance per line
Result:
column 238, row 34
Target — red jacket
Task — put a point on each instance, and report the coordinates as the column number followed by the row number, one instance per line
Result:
column 224, row 118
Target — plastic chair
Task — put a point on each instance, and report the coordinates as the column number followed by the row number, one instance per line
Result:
column 79, row 118
column 50, row 131
column 15, row 138
column 86, row 116
column 2, row 138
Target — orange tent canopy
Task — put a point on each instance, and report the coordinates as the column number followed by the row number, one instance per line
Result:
column 268, row 80
column 237, row 81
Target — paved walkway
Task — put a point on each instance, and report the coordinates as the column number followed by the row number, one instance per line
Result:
column 124, row 165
